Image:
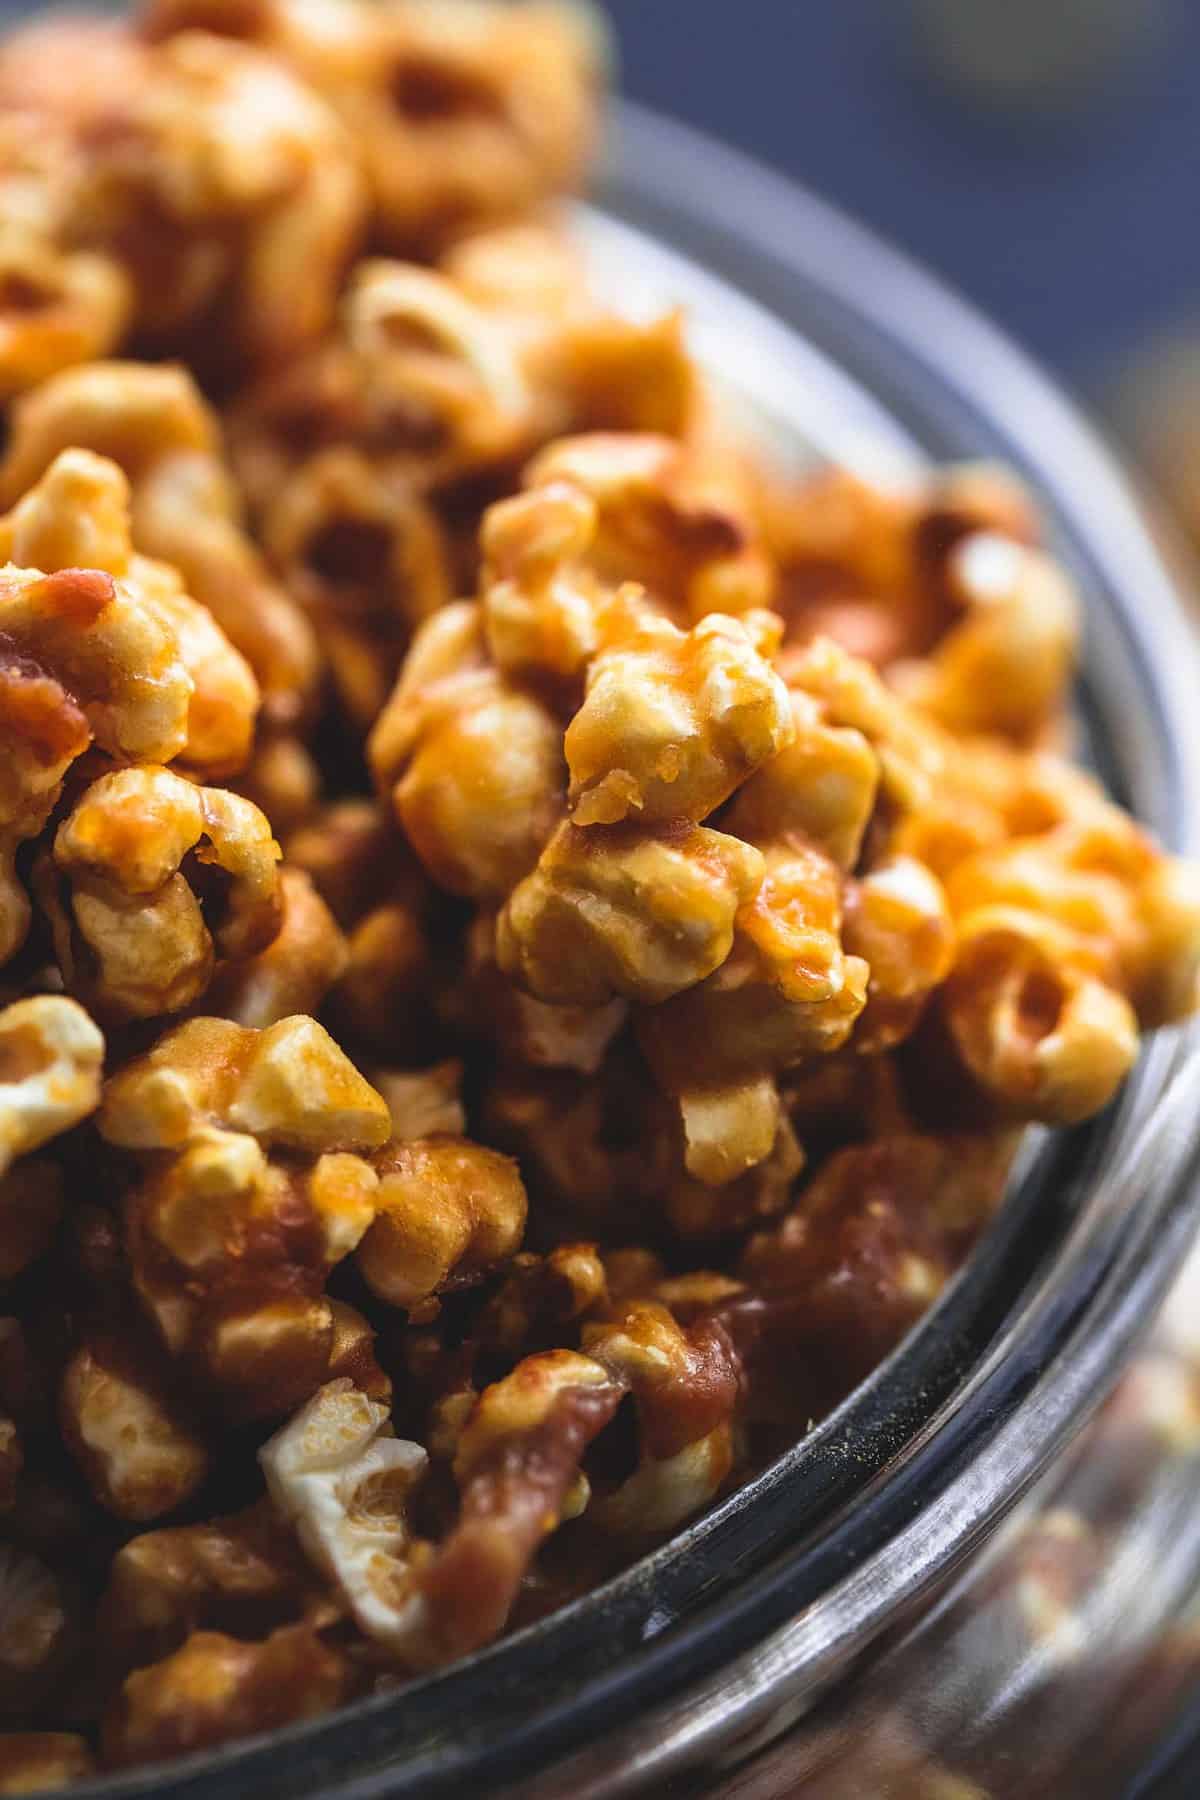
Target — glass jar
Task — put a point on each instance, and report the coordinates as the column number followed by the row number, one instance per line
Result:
column 860, row 1617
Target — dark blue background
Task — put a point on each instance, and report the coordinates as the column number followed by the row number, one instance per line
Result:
column 1081, row 236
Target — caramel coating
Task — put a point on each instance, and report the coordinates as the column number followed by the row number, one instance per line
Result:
column 871, row 563
column 77, row 515
column 517, row 1468
column 677, row 518
column 82, row 660
column 459, row 117
column 58, row 306
column 51, row 1055
column 474, row 765
column 288, row 1085
column 882, row 1218
column 897, row 920
column 1061, row 939
column 786, row 991
column 155, row 425
column 211, row 161
column 626, row 910
column 216, row 1687
column 131, row 931
column 671, row 722
column 141, row 1459
column 231, row 1236
column 243, row 1574
column 1005, row 665
column 33, row 1762
column 441, row 362
column 685, row 1386
column 426, row 1103
column 447, row 1212
column 540, row 601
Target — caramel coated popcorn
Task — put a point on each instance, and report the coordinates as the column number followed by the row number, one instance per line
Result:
column 460, row 114
column 528, row 935
column 154, row 424
column 130, row 929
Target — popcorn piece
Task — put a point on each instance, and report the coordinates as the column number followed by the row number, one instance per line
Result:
column 541, row 1296
column 897, row 920
column 540, row 601
column 461, row 116
column 441, row 379
column 57, row 307
column 289, row 1085
column 155, row 425
column 32, row 1762
column 786, row 992
column 77, row 516
column 821, row 786
column 753, row 1184
column 81, row 659
column 345, row 1481
column 485, row 1004
column 439, row 361
column 50, row 1061
column 598, row 1151
column 866, row 562
column 132, row 909
column 35, row 1630
column 677, row 519
column 215, row 1688
column 685, row 1386
column 672, row 722
column 353, row 854
column 231, row 1237
column 626, row 910
column 140, row 1459
column 366, row 558
column 215, row 162
column 1040, row 1034
column 481, row 114
column 473, row 765
column 283, row 781
column 243, row 1574
column 352, row 1353
column 1006, row 665
column 447, row 1212
column 339, row 1476
column 383, row 996
column 1062, row 938
column 518, row 1472
column 866, row 1248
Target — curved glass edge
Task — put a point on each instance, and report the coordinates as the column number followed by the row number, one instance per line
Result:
column 839, row 282
column 1056, row 1661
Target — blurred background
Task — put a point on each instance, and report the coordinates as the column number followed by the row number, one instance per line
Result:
column 1042, row 155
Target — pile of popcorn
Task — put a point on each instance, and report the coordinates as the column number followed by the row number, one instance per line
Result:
column 527, row 937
